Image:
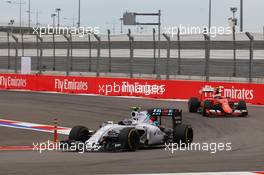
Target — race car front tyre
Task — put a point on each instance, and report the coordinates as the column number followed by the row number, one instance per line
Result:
column 129, row 139
column 242, row 105
column 193, row 104
column 183, row 134
column 79, row 133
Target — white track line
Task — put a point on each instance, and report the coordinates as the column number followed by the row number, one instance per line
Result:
column 205, row 173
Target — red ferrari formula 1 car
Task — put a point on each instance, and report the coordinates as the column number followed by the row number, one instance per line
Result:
column 212, row 103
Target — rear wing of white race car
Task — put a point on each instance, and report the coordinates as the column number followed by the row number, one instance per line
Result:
column 175, row 114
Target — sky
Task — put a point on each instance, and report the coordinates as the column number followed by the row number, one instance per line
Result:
column 106, row 13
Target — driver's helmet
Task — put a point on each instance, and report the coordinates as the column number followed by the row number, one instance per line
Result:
column 141, row 116
column 217, row 92
column 153, row 120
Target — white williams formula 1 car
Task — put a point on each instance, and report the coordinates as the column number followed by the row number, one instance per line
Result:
column 143, row 129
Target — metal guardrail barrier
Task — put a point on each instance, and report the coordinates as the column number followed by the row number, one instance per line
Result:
column 131, row 55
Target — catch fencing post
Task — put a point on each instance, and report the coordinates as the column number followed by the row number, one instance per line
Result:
column 22, row 43
column 179, row 52
column 159, row 26
column 251, row 47
column 154, row 52
column 90, row 53
column 131, row 45
column 168, row 56
column 41, row 53
column 71, row 67
column 54, row 52
column 159, row 30
column 109, row 51
column 16, row 47
column 234, row 52
column 68, row 54
column 207, row 56
column 8, row 51
column 37, row 41
column 98, row 55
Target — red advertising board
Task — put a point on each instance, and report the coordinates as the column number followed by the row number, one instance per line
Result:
column 163, row 89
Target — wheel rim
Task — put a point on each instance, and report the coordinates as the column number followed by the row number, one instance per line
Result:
column 133, row 139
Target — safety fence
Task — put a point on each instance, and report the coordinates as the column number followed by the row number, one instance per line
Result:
column 198, row 55
column 161, row 89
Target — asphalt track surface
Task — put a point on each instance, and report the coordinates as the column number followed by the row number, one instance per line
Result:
column 245, row 134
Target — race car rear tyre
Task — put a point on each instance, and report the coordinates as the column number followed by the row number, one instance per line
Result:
column 242, row 105
column 129, row 139
column 79, row 133
column 183, row 134
column 193, row 104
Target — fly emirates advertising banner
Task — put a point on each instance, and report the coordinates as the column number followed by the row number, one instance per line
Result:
column 163, row 89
